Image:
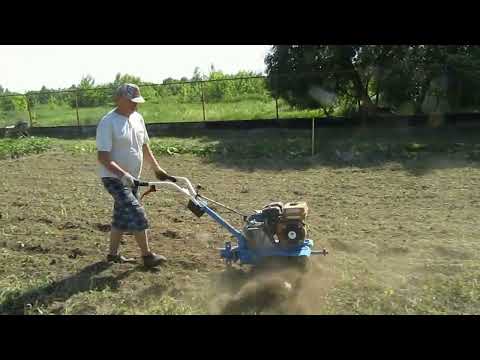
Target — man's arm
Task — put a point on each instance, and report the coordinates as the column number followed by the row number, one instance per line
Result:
column 150, row 158
column 105, row 159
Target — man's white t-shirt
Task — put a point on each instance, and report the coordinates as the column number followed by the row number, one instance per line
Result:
column 123, row 137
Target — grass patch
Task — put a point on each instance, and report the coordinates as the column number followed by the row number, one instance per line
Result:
column 436, row 294
column 14, row 148
column 331, row 145
column 161, row 110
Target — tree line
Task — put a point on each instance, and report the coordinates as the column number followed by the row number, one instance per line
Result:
column 89, row 94
column 370, row 79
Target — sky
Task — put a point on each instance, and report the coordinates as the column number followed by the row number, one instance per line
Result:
column 29, row 67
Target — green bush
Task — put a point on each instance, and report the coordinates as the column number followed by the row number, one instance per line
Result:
column 13, row 103
column 14, row 148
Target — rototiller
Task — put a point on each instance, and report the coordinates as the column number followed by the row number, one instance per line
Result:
column 276, row 231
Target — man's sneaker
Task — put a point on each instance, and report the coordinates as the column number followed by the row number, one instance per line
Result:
column 153, row 260
column 120, row 259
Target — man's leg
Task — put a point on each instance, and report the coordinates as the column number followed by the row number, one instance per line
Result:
column 129, row 214
column 142, row 241
column 120, row 196
column 115, row 238
column 150, row 259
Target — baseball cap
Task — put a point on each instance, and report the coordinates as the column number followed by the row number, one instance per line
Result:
column 131, row 92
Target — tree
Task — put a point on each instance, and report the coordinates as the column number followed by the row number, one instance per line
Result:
column 43, row 96
column 171, row 88
column 428, row 76
column 197, row 76
column 463, row 78
column 394, row 75
column 294, row 71
column 13, row 103
column 86, row 95
column 126, row 79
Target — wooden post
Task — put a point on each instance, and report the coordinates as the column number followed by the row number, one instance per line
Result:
column 76, row 107
column 313, row 136
column 276, row 105
column 29, row 111
column 203, row 103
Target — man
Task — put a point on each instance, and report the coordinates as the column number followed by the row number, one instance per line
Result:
column 122, row 144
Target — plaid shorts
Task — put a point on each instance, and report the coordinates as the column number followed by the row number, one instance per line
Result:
column 128, row 214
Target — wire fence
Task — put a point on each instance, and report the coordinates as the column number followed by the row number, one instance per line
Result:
column 242, row 98
column 213, row 100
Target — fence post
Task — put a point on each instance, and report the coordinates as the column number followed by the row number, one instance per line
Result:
column 276, row 105
column 29, row 111
column 313, row 136
column 275, row 88
column 203, row 102
column 76, row 107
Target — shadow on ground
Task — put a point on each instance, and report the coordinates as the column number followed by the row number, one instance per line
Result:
column 417, row 150
column 62, row 290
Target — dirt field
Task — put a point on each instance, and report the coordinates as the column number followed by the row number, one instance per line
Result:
column 401, row 240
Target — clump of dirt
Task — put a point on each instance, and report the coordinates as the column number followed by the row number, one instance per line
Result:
column 32, row 248
column 75, row 253
column 171, row 234
column 103, row 227
column 19, row 204
column 46, row 221
column 68, row 225
column 37, row 249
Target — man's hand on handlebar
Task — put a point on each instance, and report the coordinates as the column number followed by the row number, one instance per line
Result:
column 128, row 180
